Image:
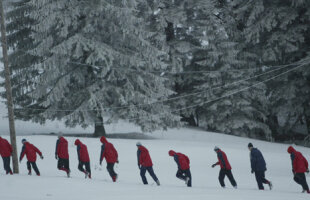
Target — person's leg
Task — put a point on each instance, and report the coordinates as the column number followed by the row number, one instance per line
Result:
column 303, row 181
column 142, row 174
column 35, row 168
column 66, row 165
column 87, row 166
column 113, row 171
column 180, row 175
column 221, row 177
column 152, row 174
column 297, row 178
column 110, row 168
column 60, row 164
column 264, row 180
column 114, row 175
column 29, row 168
column 6, row 165
column 80, row 167
column 231, row 178
column 258, row 176
column 9, row 165
column 188, row 175
column 3, row 162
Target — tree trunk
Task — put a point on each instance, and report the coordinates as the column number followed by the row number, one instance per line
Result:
column 190, row 120
column 197, row 118
column 8, row 91
column 99, row 128
column 308, row 123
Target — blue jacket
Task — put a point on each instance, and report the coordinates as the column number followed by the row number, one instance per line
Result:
column 257, row 160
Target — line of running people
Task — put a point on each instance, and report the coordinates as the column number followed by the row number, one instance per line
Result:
column 258, row 164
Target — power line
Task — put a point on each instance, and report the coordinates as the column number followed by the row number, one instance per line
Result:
column 246, row 88
column 165, row 100
column 230, row 94
column 163, row 72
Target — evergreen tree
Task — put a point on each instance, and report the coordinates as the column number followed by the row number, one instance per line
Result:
column 202, row 42
column 105, row 60
column 98, row 63
column 22, row 63
column 277, row 32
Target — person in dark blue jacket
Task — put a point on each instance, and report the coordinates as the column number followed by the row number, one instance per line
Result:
column 258, row 166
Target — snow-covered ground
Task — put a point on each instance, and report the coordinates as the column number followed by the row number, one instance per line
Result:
column 198, row 145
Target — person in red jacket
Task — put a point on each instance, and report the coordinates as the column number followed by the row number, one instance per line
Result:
column 83, row 158
column 225, row 168
column 300, row 166
column 62, row 155
column 145, row 164
column 110, row 154
column 6, row 152
column 31, row 153
column 183, row 172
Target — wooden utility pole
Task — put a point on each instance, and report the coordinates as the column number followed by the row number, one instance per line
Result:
column 8, row 90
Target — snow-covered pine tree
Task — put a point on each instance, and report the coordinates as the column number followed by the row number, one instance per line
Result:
column 277, row 32
column 202, row 42
column 21, row 63
column 99, row 56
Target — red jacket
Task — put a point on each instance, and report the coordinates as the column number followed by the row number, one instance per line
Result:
column 5, row 148
column 144, row 158
column 181, row 160
column 222, row 160
column 62, row 148
column 108, row 151
column 82, row 151
column 299, row 162
column 31, row 152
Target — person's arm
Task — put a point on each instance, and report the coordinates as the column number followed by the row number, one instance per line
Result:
column 253, row 160
column 37, row 151
column 176, row 158
column 56, row 149
column 217, row 163
column 116, row 154
column 22, row 153
column 78, row 148
column 10, row 148
column 221, row 159
column 306, row 162
column 187, row 159
column 292, row 161
column 102, row 153
column 138, row 157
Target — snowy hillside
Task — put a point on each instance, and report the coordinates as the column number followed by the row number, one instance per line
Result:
column 198, row 145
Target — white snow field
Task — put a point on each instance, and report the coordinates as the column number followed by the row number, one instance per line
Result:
column 198, row 145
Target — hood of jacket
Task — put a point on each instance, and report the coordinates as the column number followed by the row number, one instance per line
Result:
column 171, row 153
column 291, row 149
column 62, row 139
column 77, row 142
column 103, row 140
